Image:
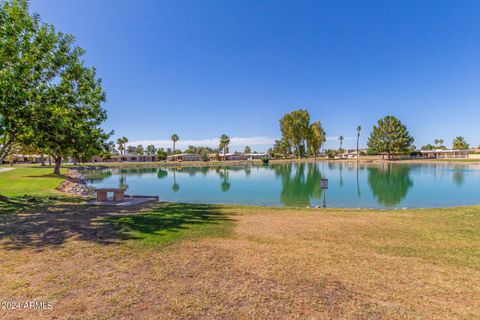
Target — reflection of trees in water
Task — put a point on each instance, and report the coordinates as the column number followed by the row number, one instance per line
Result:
column 458, row 175
column 97, row 175
column 122, row 181
column 358, row 181
column 223, row 173
column 341, row 174
column 175, row 186
column 161, row 173
column 389, row 183
column 300, row 183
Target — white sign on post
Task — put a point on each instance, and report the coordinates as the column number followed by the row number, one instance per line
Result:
column 324, row 183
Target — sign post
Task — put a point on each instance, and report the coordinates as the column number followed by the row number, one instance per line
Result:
column 324, row 186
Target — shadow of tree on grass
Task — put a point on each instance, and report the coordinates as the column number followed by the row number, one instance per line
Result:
column 52, row 226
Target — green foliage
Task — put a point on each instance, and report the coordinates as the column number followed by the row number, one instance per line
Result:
column 297, row 132
column 131, row 149
column 247, row 150
column 295, row 128
column 204, row 155
column 265, row 160
column 281, row 147
column 316, row 138
column 151, row 150
column 139, row 150
column 331, row 153
column 174, row 138
column 224, row 143
column 48, row 98
column 390, row 136
column 459, row 143
column 340, row 138
column 121, row 142
column 162, row 154
column 428, row 147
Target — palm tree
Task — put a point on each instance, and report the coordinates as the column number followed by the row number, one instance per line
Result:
column 359, row 128
column 460, row 144
column 224, row 142
column 121, row 144
column 341, row 142
column 174, row 138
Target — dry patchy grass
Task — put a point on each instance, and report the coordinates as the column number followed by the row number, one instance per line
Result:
column 274, row 263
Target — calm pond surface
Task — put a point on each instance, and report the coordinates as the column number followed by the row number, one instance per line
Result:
column 350, row 184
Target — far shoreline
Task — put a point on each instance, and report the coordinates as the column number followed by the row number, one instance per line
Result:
column 213, row 164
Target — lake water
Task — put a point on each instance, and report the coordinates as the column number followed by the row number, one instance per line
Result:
column 350, row 184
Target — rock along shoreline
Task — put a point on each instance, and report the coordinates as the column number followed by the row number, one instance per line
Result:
column 74, row 184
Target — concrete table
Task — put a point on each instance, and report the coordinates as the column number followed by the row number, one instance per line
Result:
column 118, row 194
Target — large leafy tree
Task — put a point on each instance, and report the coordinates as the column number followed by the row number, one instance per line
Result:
column 48, row 98
column 224, row 142
column 390, row 136
column 295, row 128
column 459, row 143
column 69, row 114
column 31, row 54
column 316, row 138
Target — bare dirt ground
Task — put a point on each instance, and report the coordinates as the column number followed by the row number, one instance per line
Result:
column 304, row 264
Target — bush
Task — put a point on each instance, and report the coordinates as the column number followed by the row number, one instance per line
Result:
column 265, row 160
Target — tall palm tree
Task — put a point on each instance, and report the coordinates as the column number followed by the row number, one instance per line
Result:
column 341, row 142
column 174, row 138
column 359, row 128
column 224, row 142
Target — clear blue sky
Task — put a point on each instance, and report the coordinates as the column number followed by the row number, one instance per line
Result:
column 203, row 68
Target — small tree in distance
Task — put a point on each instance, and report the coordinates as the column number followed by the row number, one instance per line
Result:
column 459, row 143
column 174, row 138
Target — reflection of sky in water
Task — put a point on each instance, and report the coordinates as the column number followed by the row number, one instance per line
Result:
column 350, row 185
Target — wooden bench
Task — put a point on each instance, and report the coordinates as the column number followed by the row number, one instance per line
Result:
column 118, row 194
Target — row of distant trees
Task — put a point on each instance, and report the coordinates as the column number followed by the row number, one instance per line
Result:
column 301, row 138
column 459, row 143
column 123, row 148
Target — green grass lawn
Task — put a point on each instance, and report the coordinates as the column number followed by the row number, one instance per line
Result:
column 35, row 181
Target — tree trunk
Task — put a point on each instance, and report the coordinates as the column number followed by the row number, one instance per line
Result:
column 42, row 160
column 58, row 164
column 357, row 148
column 6, row 145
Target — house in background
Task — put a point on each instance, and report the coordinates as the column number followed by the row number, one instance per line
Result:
column 257, row 156
column 445, row 154
column 127, row 158
column 184, row 157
